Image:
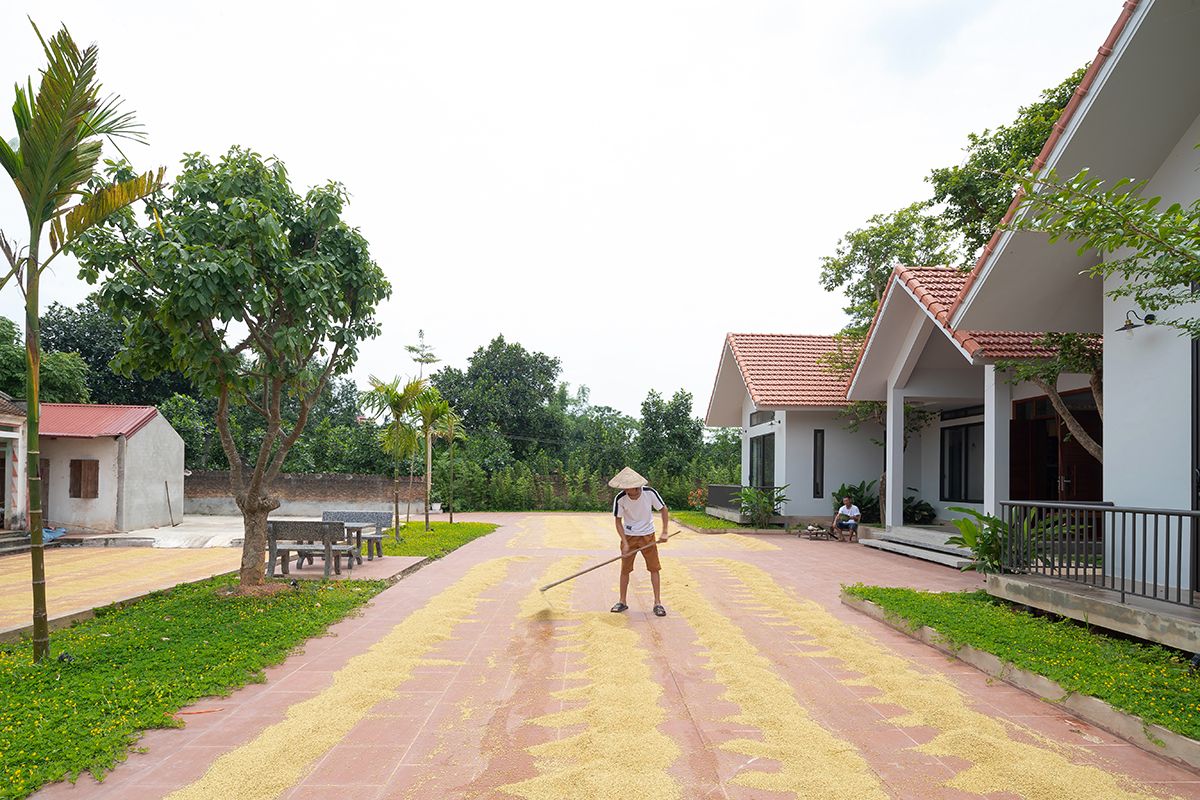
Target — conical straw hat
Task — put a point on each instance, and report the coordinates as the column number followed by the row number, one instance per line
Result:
column 627, row 479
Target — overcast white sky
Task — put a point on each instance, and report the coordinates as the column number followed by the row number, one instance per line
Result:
column 615, row 183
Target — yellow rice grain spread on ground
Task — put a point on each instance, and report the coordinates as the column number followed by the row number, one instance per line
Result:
column 546, row 605
column 576, row 532
column 620, row 753
column 753, row 544
column 282, row 754
column 812, row 761
column 998, row 761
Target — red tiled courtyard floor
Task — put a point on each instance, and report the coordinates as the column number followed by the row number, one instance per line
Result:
column 461, row 681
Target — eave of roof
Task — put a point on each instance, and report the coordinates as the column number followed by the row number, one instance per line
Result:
column 89, row 421
column 1056, row 134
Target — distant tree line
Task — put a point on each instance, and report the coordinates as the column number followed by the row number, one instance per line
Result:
column 532, row 442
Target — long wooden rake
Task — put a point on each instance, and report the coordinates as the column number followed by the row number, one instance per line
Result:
column 601, row 564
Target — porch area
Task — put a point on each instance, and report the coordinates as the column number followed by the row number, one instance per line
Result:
column 1131, row 570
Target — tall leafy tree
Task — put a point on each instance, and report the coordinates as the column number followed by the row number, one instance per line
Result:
column 396, row 402
column 61, row 130
column 864, row 258
column 64, row 375
column 669, row 436
column 511, row 389
column 256, row 294
column 975, row 193
column 98, row 338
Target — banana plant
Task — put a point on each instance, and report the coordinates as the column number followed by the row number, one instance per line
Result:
column 61, row 130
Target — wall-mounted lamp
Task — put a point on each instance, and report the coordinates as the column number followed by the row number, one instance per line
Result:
column 1129, row 325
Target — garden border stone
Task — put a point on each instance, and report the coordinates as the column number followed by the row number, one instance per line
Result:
column 1155, row 739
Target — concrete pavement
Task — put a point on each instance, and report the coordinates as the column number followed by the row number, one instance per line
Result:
column 464, row 681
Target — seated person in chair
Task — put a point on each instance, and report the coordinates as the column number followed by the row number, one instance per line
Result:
column 846, row 519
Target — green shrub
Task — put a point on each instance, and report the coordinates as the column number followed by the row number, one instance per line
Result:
column 918, row 512
column 983, row 535
column 761, row 505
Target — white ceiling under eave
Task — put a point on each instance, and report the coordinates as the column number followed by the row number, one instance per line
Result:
column 729, row 393
column 1145, row 96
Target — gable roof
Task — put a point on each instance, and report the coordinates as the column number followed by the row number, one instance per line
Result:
column 86, row 421
column 1132, row 16
column 784, row 370
column 933, row 291
column 937, row 289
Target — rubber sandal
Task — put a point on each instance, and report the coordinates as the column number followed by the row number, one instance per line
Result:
column 618, row 608
column 659, row 611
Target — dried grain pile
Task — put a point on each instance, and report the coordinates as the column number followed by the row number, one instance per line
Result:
column 999, row 762
column 285, row 752
column 812, row 761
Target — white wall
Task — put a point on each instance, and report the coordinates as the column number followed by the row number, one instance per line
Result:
column 153, row 457
column 849, row 458
column 73, row 513
column 1147, row 377
column 931, row 467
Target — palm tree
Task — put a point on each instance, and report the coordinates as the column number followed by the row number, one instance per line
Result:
column 399, row 437
column 60, row 133
column 431, row 408
column 451, row 430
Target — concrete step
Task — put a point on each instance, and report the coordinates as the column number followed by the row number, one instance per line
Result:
column 14, row 549
column 937, row 557
column 928, row 539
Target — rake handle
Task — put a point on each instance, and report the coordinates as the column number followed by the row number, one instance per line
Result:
column 602, row 564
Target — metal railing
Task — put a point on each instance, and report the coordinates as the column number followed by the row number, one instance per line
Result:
column 1139, row 552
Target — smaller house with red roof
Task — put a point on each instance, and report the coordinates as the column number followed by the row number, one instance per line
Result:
column 787, row 401
column 109, row 468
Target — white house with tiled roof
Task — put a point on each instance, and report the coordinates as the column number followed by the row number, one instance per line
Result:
column 990, row 441
column 787, row 403
column 1082, row 540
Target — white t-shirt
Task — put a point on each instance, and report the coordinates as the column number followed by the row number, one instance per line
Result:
column 851, row 512
column 637, row 516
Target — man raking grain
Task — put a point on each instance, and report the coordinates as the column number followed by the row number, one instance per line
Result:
column 633, row 514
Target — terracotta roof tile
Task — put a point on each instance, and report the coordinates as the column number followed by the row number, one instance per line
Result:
column 937, row 288
column 81, row 421
column 783, row 370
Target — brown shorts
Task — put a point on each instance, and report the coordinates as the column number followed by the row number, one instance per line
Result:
column 650, row 554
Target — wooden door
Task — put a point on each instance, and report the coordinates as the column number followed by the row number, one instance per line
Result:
column 1081, row 477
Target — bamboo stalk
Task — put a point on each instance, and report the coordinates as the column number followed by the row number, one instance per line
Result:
column 602, row 564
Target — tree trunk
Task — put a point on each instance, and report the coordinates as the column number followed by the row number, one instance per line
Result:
column 428, row 474
column 33, row 363
column 396, row 498
column 412, row 472
column 254, row 524
column 451, row 496
column 1097, row 383
column 1085, row 440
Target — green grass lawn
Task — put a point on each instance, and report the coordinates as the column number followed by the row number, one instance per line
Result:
column 1146, row 680
column 702, row 521
column 444, row 537
column 129, row 669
